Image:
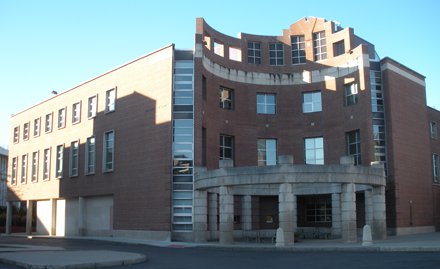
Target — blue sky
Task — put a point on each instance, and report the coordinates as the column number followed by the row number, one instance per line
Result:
column 56, row 45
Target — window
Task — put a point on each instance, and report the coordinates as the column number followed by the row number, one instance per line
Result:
column 110, row 99
column 436, row 168
column 23, row 169
column 338, row 48
column 48, row 123
column 226, row 98
column 76, row 112
column 74, row 158
column 108, row 158
column 34, row 167
column 254, row 53
column 219, row 49
column 354, row 146
column 59, row 164
column 235, row 54
column 433, row 130
column 312, row 102
column 16, row 134
column 93, row 106
column 37, row 127
column 90, row 156
column 350, row 94
column 14, row 171
column 226, row 147
column 266, row 103
column 26, row 131
column 298, row 50
column 319, row 46
column 267, row 152
column 314, row 211
column 276, row 54
column 62, row 118
column 314, row 150
column 46, row 164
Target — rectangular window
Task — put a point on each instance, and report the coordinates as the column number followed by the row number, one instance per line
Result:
column 226, row 147
column 267, row 152
column 314, row 150
column 37, row 127
column 235, row 54
column 108, row 156
column 219, row 48
column 433, row 130
column 254, row 53
column 62, row 118
column 76, row 112
column 110, row 100
column 90, row 156
column 16, row 134
column 59, row 164
column 35, row 166
column 23, row 169
column 312, row 102
column 14, row 171
column 298, row 50
column 266, row 103
column 354, row 146
column 26, row 131
column 276, row 54
column 350, row 94
column 319, row 46
column 436, row 168
column 46, row 164
column 74, row 158
column 338, row 48
column 226, row 98
column 48, row 123
column 92, row 107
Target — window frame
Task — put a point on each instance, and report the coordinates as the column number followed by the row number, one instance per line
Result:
column 436, row 168
column 223, row 148
column 315, row 149
column 59, row 166
column 74, row 159
column 433, row 129
column 298, row 46
column 252, row 57
column 24, row 164
column 16, row 135
column 14, row 170
column 46, row 164
column 92, row 106
column 319, row 46
column 264, row 152
column 62, row 113
column 357, row 155
column 34, row 166
column 37, row 127
column 90, row 162
column 48, row 123
column 110, row 101
column 76, row 112
column 351, row 94
column 26, row 131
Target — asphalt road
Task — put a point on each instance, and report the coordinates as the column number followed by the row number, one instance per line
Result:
column 230, row 258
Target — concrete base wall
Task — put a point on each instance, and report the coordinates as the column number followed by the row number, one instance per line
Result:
column 411, row 230
column 145, row 235
column 98, row 216
column 44, row 217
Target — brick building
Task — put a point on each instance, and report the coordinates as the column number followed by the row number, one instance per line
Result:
column 309, row 131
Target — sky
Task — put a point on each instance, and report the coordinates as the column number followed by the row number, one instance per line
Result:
column 55, row 45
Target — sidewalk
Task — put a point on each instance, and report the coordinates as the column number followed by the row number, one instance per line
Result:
column 43, row 257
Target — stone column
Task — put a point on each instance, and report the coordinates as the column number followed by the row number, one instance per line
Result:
column 53, row 227
column 379, row 227
column 29, row 213
column 8, row 217
column 348, row 212
column 213, row 215
column 336, row 215
column 369, row 207
column 287, row 212
column 226, row 233
column 246, row 213
column 200, row 216
column 81, row 223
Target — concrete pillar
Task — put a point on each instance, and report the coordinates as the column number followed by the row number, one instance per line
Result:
column 226, row 233
column 8, row 218
column 213, row 215
column 369, row 207
column 29, row 213
column 336, row 215
column 246, row 213
column 200, row 216
column 81, row 216
column 379, row 227
column 348, row 212
column 53, row 228
column 287, row 212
